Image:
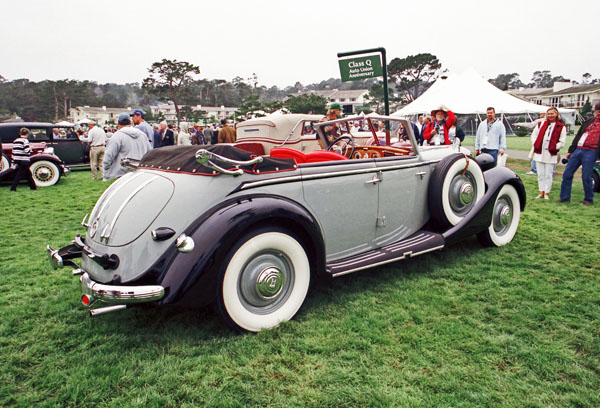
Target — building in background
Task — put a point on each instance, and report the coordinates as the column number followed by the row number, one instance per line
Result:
column 561, row 95
column 102, row 115
column 170, row 115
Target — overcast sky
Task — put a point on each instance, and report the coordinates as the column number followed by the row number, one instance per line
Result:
column 288, row 41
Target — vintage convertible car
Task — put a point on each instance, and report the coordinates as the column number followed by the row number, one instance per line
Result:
column 46, row 168
column 197, row 224
column 297, row 131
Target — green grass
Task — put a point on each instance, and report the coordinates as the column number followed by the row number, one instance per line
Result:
column 516, row 326
column 516, row 143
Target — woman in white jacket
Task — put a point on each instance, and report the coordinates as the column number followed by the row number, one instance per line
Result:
column 184, row 135
column 548, row 137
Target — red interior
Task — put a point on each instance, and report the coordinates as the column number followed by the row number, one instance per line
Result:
column 312, row 157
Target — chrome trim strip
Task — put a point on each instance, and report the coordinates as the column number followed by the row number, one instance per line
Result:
column 96, row 216
column 122, row 207
column 119, row 294
column 385, row 262
column 318, row 176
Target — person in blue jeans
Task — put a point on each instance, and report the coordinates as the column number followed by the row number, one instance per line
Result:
column 584, row 151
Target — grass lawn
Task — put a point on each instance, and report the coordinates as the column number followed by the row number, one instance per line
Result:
column 517, row 326
column 517, row 143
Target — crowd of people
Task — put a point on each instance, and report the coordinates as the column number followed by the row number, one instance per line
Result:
column 133, row 137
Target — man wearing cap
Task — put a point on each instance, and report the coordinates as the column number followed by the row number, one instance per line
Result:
column 584, row 151
column 138, row 120
column 97, row 140
column 126, row 142
column 491, row 136
column 198, row 136
column 437, row 131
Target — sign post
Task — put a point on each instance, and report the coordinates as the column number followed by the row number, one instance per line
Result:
column 370, row 66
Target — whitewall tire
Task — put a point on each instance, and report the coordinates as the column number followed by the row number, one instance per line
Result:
column 4, row 164
column 264, row 282
column 45, row 173
column 454, row 191
column 505, row 218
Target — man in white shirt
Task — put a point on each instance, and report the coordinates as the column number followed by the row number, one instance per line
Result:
column 97, row 140
column 491, row 136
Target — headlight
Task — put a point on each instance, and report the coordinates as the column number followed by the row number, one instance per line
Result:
column 49, row 150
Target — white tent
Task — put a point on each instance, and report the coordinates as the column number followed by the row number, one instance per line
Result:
column 63, row 123
column 469, row 93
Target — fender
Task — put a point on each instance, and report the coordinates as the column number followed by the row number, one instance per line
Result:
column 51, row 158
column 478, row 219
column 191, row 278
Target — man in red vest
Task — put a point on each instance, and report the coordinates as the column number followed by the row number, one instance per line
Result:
column 584, row 152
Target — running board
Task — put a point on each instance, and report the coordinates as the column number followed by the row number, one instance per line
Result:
column 418, row 243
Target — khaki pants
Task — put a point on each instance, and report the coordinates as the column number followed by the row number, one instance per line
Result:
column 96, row 157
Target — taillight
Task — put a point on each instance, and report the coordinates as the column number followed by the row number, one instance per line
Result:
column 86, row 300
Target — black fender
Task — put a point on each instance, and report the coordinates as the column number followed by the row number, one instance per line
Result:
column 479, row 218
column 191, row 278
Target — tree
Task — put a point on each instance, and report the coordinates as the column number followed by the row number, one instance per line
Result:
column 586, row 109
column 376, row 95
column 250, row 104
column 167, row 77
column 586, row 78
column 414, row 74
column 507, row 81
column 307, row 103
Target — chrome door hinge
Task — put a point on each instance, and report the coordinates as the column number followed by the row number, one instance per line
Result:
column 381, row 221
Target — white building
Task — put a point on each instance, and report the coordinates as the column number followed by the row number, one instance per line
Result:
column 351, row 100
column 102, row 116
column 561, row 95
column 168, row 111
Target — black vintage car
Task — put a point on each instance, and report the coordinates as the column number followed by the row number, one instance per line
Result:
column 67, row 147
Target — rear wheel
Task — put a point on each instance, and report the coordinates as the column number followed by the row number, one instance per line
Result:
column 45, row 173
column 264, row 281
column 505, row 218
column 456, row 185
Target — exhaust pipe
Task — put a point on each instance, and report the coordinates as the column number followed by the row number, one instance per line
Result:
column 108, row 309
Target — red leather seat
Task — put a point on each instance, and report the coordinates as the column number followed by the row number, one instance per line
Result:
column 324, row 155
column 287, row 153
column 256, row 148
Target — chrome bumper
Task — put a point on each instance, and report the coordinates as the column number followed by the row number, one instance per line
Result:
column 112, row 294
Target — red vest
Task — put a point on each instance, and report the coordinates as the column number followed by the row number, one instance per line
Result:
column 537, row 146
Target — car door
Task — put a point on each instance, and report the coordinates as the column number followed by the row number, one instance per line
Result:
column 343, row 197
column 70, row 149
column 402, row 207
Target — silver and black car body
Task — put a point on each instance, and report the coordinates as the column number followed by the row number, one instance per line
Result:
column 193, row 225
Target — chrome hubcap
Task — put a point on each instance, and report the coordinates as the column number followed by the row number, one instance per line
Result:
column 266, row 282
column 462, row 194
column 269, row 282
column 43, row 173
column 466, row 194
column 503, row 215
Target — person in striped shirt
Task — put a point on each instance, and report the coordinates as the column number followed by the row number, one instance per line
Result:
column 20, row 157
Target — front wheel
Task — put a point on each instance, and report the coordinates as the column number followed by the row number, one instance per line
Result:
column 595, row 182
column 4, row 164
column 264, row 281
column 45, row 173
column 505, row 218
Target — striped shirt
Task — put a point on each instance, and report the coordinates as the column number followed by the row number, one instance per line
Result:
column 21, row 150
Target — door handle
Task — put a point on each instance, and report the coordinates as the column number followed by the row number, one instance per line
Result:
column 421, row 174
column 374, row 180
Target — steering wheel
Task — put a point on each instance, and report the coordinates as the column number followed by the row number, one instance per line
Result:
column 344, row 141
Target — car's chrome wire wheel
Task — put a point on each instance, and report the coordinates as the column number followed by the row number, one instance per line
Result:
column 45, row 173
column 462, row 193
column 266, row 282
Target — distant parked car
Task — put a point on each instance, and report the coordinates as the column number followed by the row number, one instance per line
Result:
column 296, row 131
column 69, row 149
column 45, row 166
